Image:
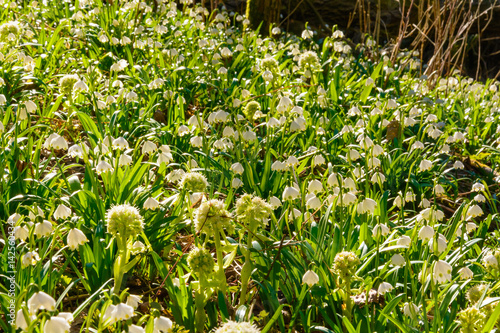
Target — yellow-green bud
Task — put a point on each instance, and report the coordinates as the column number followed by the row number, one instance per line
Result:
column 124, row 220
column 67, row 82
column 252, row 211
column 194, row 182
column 212, row 217
column 201, row 262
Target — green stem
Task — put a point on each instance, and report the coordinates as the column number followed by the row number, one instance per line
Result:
column 246, row 271
column 220, row 262
column 120, row 262
column 200, row 315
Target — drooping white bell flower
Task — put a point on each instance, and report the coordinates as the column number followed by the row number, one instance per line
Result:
column 310, row 278
column 76, row 238
column 442, row 271
column 41, row 301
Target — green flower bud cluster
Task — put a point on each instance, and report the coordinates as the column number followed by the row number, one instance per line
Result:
column 252, row 211
column 201, row 262
column 308, row 60
column 475, row 293
column 235, row 327
column 211, row 217
column 194, row 182
column 471, row 320
column 269, row 64
column 250, row 109
column 345, row 265
column 67, row 82
column 10, row 31
column 124, row 220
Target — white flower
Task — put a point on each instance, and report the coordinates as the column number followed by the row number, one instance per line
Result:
column 162, row 324
column 135, row 329
column 478, row 187
column 21, row 233
column 237, row 168
column 313, row 202
column 148, row 147
column 124, row 160
column 41, row 301
column 122, row 312
column 196, row 141
column 458, row 165
column 490, row 261
column 354, row 155
column 43, row 228
column 30, row 106
column 398, row 260
column 442, row 271
column 367, row 206
column 68, row 316
column 80, row 86
column 290, row 193
column 76, row 238
column 120, row 143
column 62, row 212
column 236, row 182
column 426, row 233
column 404, row 241
column 465, row 273
column 30, row 258
column 103, row 167
column 133, row 301
column 138, row 247
column 151, row 203
column 411, row 310
column 332, row 180
column 58, row 143
column 56, row 325
column 21, row 320
column 274, row 202
column 474, row 211
column 315, row 186
column 318, row 160
column 384, row 288
column 425, row 165
column 441, row 244
column 310, row 278
column 381, row 230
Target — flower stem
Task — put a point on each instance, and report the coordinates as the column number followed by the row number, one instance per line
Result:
column 246, row 271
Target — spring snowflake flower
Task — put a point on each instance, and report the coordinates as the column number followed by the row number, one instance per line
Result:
column 211, row 217
column 478, row 187
column 56, row 325
column 426, row 233
column 124, row 220
column 136, row 329
column 43, row 228
column 381, row 230
column 465, row 273
column 411, row 310
column 21, row 233
column 490, row 260
column 41, row 301
column 30, row 258
column 310, row 278
column 442, row 271
column 425, row 165
column 384, row 288
column 76, row 238
column 133, row 301
column 474, row 211
column 290, row 193
column 194, row 182
column 162, row 325
column 404, row 241
column 151, row 203
column 62, row 212
column 398, row 260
